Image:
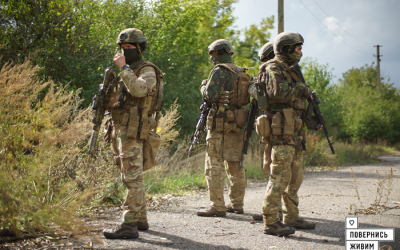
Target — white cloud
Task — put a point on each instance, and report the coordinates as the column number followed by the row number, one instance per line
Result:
column 330, row 23
column 294, row 6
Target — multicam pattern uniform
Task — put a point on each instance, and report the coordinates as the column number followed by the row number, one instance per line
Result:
column 223, row 151
column 129, row 151
column 286, row 172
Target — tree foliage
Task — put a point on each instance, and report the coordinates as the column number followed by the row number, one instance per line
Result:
column 352, row 108
column 74, row 41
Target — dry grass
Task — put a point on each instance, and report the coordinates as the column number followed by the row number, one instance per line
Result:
column 47, row 177
column 382, row 194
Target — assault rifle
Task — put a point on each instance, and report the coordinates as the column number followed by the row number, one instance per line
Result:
column 248, row 129
column 313, row 108
column 201, row 125
column 100, row 102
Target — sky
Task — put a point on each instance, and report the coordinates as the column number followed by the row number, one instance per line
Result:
column 340, row 33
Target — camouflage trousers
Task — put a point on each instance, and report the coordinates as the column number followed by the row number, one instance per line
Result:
column 215, row 168
column 286, row 176
column 128, row 154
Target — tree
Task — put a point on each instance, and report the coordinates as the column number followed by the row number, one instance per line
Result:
column 367, row 115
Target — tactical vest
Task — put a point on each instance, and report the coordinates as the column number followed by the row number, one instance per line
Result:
column 239, row 95
column 137, row 112
column 263, row 76
column 229, row 116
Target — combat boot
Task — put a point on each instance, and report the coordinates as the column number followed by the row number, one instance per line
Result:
column 259, row 217
column 210, row 212
column 142, row 225
column 278, row 229
column 230, row 209
column 122, row 231
column 301, row 224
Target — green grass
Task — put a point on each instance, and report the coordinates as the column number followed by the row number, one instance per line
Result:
column 177, row 183
column 254, row 171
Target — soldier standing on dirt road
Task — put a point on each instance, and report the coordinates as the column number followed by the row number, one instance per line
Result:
column 225, row 123
column 283, row 128
column 131, row 128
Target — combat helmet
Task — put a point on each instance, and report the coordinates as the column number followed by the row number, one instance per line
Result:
column 287, row 39
column 221, row 44
column 265, row 51
column 132, row 35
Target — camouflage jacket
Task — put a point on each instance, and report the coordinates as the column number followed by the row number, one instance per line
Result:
column 285, row 92
column 212, row 88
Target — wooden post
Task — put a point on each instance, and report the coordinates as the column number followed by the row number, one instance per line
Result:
column 280, row 17
column 378, row 67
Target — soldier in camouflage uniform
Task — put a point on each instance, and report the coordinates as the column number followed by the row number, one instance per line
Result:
column 225, row 130
column 266, row 53
column 132, row 108
column 286, row 112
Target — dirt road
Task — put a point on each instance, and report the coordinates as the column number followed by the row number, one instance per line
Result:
column 325, row 198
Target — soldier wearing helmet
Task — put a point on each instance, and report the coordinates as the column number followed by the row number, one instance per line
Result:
column 133, row 106
column 225, row 91
column 287, row 92
column 265, row 54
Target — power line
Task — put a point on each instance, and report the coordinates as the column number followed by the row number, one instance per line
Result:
column 339, row 25
column 331, row 31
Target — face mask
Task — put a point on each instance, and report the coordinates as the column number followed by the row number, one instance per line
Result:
column 131, row 55
column 297, row 55
column 214, row 58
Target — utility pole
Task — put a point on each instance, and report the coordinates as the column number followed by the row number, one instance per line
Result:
column 280, row 16
column 378, row 68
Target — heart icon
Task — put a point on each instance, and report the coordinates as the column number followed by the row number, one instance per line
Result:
column 351, row 222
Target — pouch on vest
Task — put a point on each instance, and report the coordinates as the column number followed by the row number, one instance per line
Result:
column 241, row 117
column 262, row 96
column 263, row 128
column 150, row 147
column 219, row 124
column 243, row 97
column 210, row 119
column 300, row 104
column 133, row 125
column 298, row 124
column 230, row 117
column 231, row 127
column 144, row 132
column 277, row 124
column 288, row 129
column 219, row 121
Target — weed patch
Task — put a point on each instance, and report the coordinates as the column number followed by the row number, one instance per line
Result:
column 381, row 196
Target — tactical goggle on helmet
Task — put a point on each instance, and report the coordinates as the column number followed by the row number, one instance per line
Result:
column 265, row 51
column 220, row 44
column 286, row 39
column 131, row 35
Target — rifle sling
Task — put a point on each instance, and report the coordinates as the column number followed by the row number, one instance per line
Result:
column 233, row 78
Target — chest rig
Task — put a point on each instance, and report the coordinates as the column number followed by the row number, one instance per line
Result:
column 290, row 77
column 139, row 114
column 228, row 115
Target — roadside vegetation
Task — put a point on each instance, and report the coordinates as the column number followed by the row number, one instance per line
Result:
column 53, row 54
